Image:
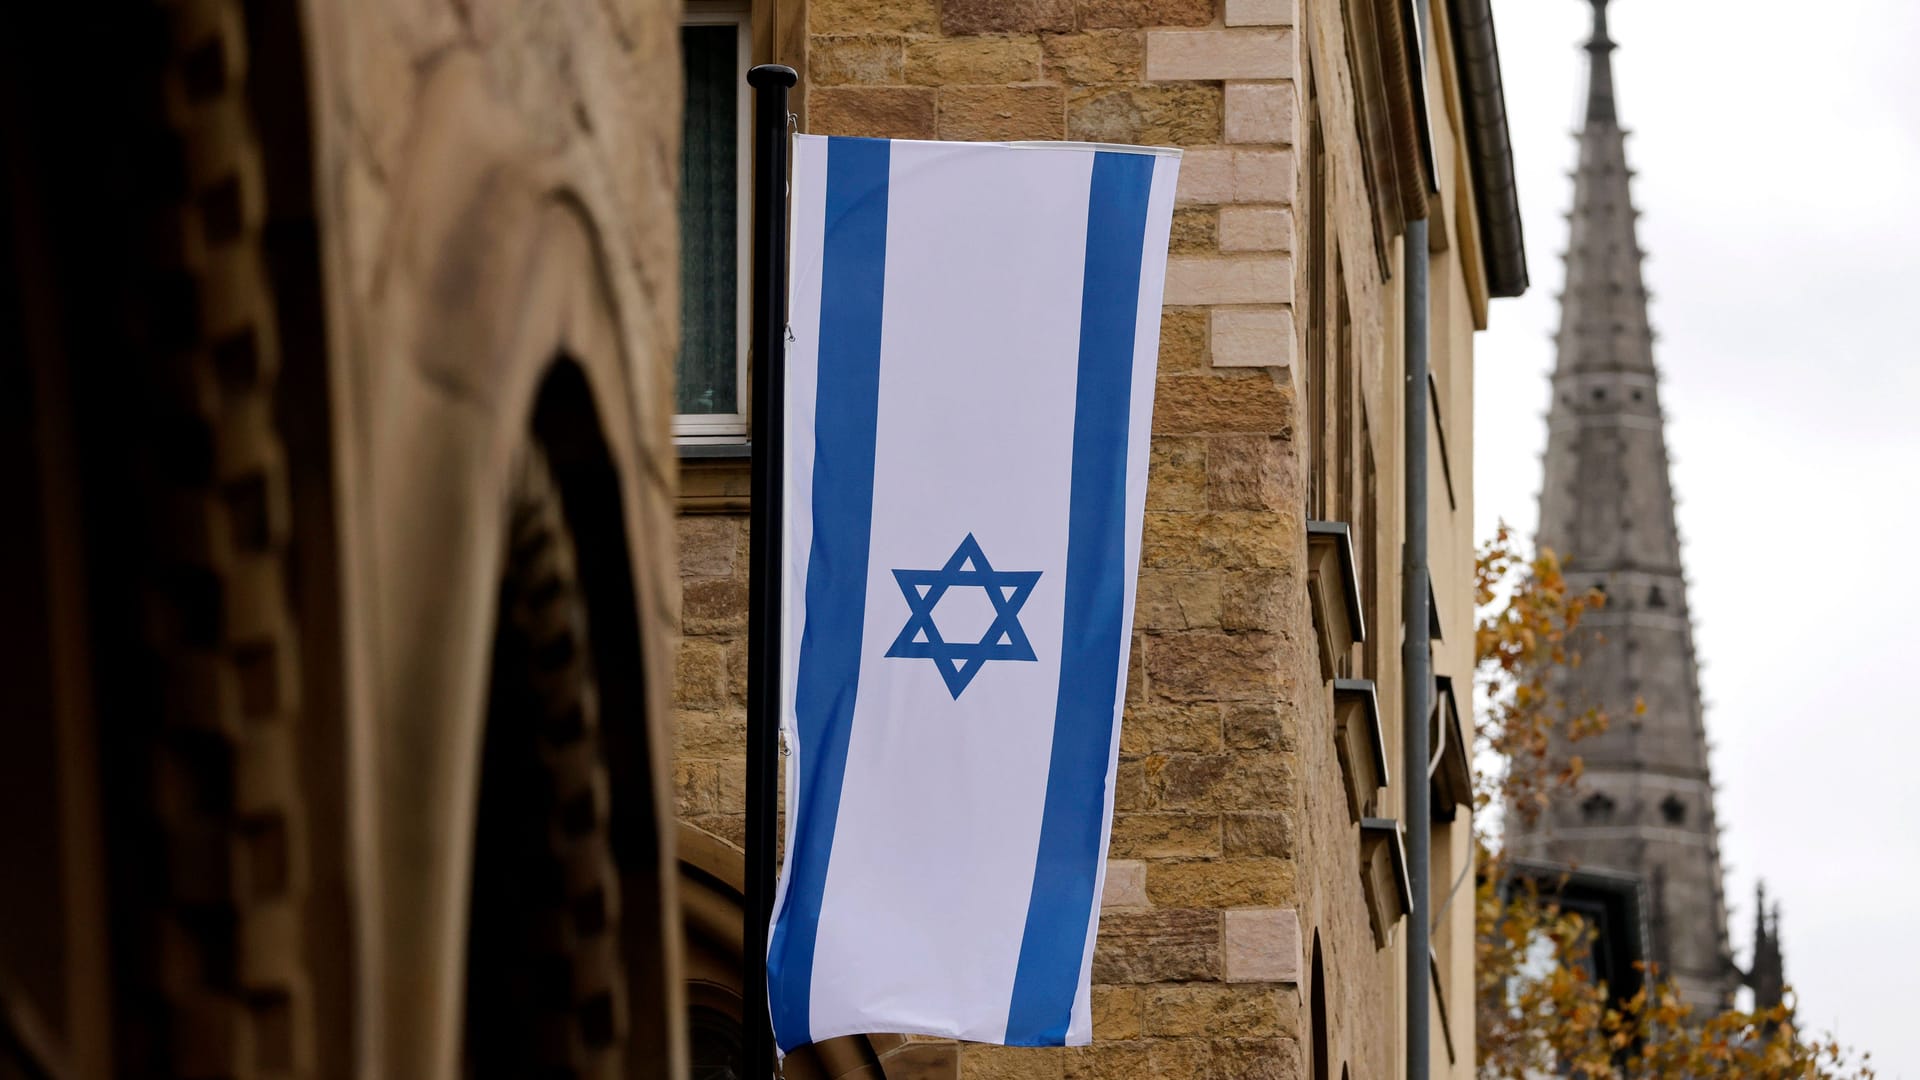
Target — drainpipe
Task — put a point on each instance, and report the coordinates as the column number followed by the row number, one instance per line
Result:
column 1416, row 657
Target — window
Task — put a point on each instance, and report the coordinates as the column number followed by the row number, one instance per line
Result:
column 1366, row 533
column 711, row 371
column 1317, row 247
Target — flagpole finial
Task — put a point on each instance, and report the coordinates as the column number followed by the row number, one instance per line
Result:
column 772, row 75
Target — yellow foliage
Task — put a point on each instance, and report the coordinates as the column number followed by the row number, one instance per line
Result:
column 1538, row 1010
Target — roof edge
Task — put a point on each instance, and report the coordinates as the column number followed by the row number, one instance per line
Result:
column 1477, row 57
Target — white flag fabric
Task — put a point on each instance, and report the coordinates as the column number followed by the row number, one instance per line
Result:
column 974, row 332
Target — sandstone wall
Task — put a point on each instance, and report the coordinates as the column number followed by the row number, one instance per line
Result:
column 1232, row 848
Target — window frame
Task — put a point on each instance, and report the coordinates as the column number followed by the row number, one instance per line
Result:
column 698, row 428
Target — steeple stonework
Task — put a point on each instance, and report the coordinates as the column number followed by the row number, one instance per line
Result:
column 1645, row 803
column 1767, row 975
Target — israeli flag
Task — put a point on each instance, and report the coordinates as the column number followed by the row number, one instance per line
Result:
column 974, row 330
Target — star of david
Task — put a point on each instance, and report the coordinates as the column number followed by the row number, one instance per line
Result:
column 959, row 661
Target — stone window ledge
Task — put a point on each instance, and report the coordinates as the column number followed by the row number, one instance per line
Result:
column 715, row 477
column 1333, row 587
column 1383, row 876
column 1361, row 744
column 1451, row 775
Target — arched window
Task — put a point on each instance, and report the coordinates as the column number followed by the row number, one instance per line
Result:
column 1317, row 1008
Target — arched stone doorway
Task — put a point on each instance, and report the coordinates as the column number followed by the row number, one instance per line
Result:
column 712, row 882
column 270, row 374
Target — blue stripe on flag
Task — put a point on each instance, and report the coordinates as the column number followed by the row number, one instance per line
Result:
column 1093, row 638
column 847, row 404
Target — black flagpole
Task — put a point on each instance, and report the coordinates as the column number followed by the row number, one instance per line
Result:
column 769, row 374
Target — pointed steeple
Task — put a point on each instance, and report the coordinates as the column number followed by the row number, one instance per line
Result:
column 1767, row 974
column 1607, row 507
column 1600, row 108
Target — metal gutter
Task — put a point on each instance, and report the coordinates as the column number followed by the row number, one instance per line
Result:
column 1490, row 150
column 1416, row 655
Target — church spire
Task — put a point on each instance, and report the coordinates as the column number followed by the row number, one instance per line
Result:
column 1600, row 107
column 1607, row 507
column 1767, row 974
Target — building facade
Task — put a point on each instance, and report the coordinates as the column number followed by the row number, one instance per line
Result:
column 336, row 394
column 343, row 652
column 1254, row 917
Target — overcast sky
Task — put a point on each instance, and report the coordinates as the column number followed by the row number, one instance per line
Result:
column 1777, row 146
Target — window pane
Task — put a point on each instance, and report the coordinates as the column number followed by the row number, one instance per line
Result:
column 709, row 195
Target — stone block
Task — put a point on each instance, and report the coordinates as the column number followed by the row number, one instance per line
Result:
column 1177, row 473
column 1243, row 473
column 1221, row 883
column 710, row 787
column 1186, row 781
column 737, row 670
column 1257, row 833
column 865, row 16
column 1106, row 14
column 714, row 606
column 1136, row 672
column 1176, row 115
column 1254, row 600
column 1259, row 726
column 1262, row 113
column 1256, row 228
column 1105, row 1060
column 709, row 735
column 882, row 112
column 1004, row 16
column 1195, row 280
column 700, row 676
column 1260, row 12
column 1125, row 885
column 1228, row 402
column 1219, row 54
column 1158, row 946
column 1206, row 176
column 1164, row 728
column 707, row 542
column 1177, row 602
column 972, row 61
column 1165, row 836
column 982, row 1062
column 1244, row 338
column 870, row 59
column 1117, row 1013
column 1223, row 540
column 1196, row 231
column 992, row 113
column 1130, row 792
column 1259, row 782
column 1207, row 1010
column 1226, row 1059
column 1235, row 175
column 1095, row 56
column 1183, row 341
column 1263, row 176
column 1263, row 946
column 923, row 1061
